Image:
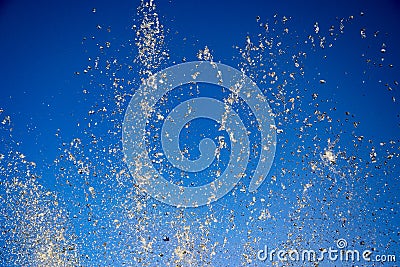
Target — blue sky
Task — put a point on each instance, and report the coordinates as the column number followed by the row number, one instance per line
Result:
column 345, row 101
